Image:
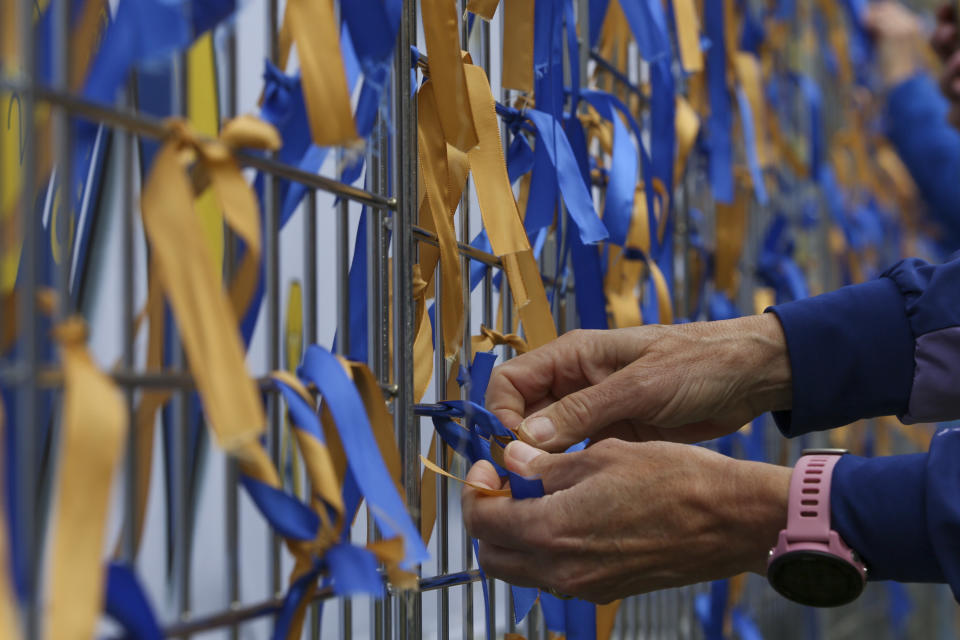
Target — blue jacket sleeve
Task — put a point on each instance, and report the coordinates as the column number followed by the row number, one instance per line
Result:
column 901, row 513
column 890, row 346
column 887, row 346
column 916, row 124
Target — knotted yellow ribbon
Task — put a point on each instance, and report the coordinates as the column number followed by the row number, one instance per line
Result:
column 92, row 436
column 490, row 338
column 181, row 260
column 501, row 217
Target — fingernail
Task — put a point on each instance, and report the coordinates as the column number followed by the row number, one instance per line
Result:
column 539, row 430
column 522, row 453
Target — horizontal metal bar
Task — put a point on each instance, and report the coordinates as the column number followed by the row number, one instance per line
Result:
column 422, row 235
column 618, row 75
column 154, row 128
column 245, row 613
column 450, row 580
column 52, row 377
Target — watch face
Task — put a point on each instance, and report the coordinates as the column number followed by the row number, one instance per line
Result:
column 815, row 578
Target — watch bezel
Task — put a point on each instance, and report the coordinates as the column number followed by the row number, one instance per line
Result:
column 830, row 597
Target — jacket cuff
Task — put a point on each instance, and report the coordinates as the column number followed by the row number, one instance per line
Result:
column 878, row 506
column 851, row 356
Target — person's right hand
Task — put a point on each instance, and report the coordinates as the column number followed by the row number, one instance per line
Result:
column 682, row 383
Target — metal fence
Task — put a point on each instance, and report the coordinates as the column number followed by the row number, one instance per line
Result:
column 448, row 602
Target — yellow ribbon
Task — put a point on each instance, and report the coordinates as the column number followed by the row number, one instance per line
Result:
column 688, row 126
column 483, row 8
column 446, row 72
column 432, row 151
column 501, row 217
column 747, row 69
column 688, row 35
column 293, row 349
column 490, row 338
column 731, row 229
column 312, row 26
column 92, row 436
column 203, row 111
column 208, row 326
column 518, row 45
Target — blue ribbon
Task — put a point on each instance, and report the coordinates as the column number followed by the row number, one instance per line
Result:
column 126, row 602
column 720, row 121
column 366, row 465
column 649, row 27
column 553, row 141
column 148, row 30
column 585, row 259
column 750, row 145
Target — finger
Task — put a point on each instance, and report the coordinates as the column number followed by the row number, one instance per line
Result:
column 519, row 383
column 577, row 416
column 504, row 521
column 516, row 567
column 556, row 472
column 484, row 474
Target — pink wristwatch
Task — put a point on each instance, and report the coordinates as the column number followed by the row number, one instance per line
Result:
column 811, row 564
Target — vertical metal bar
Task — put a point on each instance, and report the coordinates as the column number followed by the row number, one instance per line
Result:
column 343, row 347
column 180, row 411
column 127, row 213
column 488, row 322
column 373, row 334
column 232, row 472
column 272, row 269
column 405, row 181
column 27, row 435
column 443, row 515
column 62, row 207
column 310, row 324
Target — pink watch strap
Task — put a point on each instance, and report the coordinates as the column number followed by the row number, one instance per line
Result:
column 808, row 510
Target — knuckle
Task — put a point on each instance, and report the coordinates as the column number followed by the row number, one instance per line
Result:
column 576, row 408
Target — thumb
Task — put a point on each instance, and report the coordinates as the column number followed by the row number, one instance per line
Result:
column 529, row 462
column 574, row 417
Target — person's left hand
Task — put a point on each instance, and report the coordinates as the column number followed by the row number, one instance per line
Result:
column 623, row 518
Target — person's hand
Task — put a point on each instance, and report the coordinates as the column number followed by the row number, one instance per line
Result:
column 683, row 383
column 898, row 37
column 623, row 518
column 945, row 39
column 946, row 42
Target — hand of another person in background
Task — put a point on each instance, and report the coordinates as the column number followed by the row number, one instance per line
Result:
column 945, row 39
column 946, row 42
column 683, row 383
column 898, row 38
column 623, row 518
